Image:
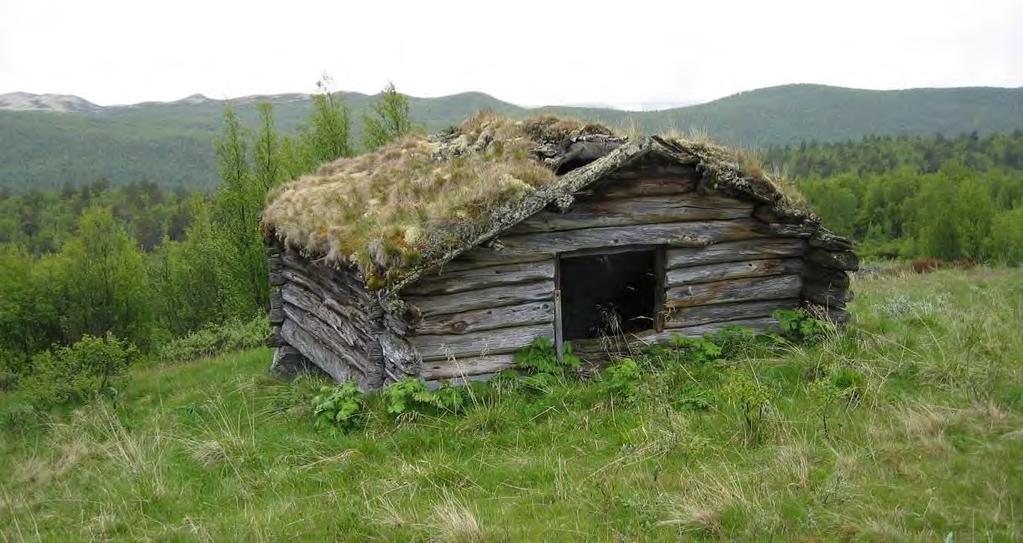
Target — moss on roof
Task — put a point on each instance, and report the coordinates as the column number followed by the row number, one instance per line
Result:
column 421, row 200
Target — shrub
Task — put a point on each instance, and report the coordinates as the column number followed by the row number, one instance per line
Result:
column 18, row 417
column 751, row 399
column 212, row 339
column 800, row 327
column 620, row 379
column 75, row 374
column 411, row 395
column 338, row 408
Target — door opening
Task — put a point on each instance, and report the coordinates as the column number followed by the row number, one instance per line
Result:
column 608, row 294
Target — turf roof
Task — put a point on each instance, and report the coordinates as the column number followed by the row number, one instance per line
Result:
column 420, row 201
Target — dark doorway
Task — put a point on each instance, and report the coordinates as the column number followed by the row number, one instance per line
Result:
column 607, row 294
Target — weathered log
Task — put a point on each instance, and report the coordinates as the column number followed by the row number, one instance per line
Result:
column 838, row 260
column 640, row 210
column 288, row 363
column 503, row 340
column 829, row 276
column 349, row 322
column 362, row 356
column 733, row 270
column 310, row 347
column 758, row 325
column 461, row 302
column 705, row 314
column 678, row 234
column 465, row 367
column 276, row 306
column 630, row 184
column 733, row 251
column 460, row 281
column 825, row 239
column 486, row 319
column 826, row 294
column 400, row 359
column 735, row 290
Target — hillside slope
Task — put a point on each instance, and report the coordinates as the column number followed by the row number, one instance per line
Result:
column 172, row 143
column 922, row 444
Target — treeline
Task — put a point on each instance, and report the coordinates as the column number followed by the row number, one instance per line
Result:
column 882, row 154
column 146, row 265
column 948, row 198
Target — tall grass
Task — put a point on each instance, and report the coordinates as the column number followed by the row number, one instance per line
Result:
column 928, row 448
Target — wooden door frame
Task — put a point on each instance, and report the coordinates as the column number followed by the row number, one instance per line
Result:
column 659, row 282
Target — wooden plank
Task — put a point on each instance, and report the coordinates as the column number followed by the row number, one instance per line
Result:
column 733, row 251
column 486, row 319
column 758, row 325
column 466, row 367
column 639, row 210
column 483, row 298
column 705, row 314
column 735, row 290
column 641, row 183
column 733, row 270
column 679, row 234
column 501, row 341
column 559, row 334
column 660, row 276
column 460, row 281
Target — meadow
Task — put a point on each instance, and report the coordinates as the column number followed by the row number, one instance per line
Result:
column 921, row 442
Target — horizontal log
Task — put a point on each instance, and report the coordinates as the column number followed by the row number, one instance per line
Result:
column 706, row 314
column 735, row 290
column 838, row 260
column 501, row 341
column 639, row 210
column 824, row 239
column 679, row 234
column 826, row 294
column 642, row 183
column 460, row 281
column 466, row 367
column 733, row 251
column 733, row 270
column 487, row 319
column 481, row 257
column 460, row 302
column 758, row 325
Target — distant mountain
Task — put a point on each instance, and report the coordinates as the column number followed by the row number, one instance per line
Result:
column 47, row 140
column 65, row 103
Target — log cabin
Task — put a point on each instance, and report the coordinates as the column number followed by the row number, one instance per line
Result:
column 439, row 257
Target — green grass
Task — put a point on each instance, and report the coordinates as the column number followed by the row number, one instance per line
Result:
column 217, row 451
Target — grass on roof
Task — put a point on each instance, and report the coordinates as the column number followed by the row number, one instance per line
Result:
column 417, row 197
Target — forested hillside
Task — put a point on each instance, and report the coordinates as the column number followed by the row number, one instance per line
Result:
column 948, row 198
column 172, row 143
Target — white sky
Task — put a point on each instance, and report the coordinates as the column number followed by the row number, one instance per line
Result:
column 527, row 52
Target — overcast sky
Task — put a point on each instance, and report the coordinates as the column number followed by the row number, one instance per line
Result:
column 527, row 52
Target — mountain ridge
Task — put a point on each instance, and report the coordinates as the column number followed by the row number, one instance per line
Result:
column 172, row 142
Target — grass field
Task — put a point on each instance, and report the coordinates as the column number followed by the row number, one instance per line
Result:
column 929, row 448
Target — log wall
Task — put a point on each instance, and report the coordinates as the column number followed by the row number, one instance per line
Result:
column 726, row 262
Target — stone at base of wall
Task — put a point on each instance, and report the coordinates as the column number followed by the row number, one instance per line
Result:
column 288, row 363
